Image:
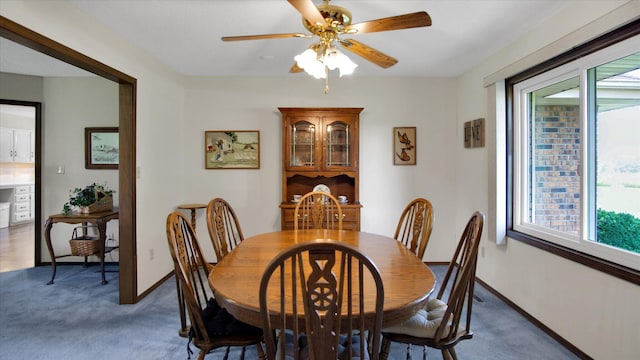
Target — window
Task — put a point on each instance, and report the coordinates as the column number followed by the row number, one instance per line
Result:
column 574, row 174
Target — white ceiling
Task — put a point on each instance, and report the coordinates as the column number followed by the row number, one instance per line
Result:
column 185, row 34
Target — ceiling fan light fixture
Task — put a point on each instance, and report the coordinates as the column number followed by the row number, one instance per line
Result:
column 308, row 61
column 334, row 59
column 317, row 59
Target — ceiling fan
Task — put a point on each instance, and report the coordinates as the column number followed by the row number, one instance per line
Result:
column 329, row 23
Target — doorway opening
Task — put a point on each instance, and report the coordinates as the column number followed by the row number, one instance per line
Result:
column 127, row 131
column 19, row 162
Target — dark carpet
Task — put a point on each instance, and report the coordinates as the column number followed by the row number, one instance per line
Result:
column 78, row 318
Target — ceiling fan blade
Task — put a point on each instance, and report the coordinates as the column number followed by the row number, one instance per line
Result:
column 368, row 53
column 309, row 11
column 417, row 19
column 295, row 68
column 265, row 36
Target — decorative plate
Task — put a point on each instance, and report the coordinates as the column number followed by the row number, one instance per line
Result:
column 322, row 188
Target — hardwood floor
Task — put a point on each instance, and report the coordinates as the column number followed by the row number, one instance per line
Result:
column 17, row 247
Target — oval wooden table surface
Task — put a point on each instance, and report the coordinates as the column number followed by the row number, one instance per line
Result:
column 235, row 280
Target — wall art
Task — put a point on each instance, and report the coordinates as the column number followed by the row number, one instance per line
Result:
column 235, row 149
column 101, row 148
column 404, row 146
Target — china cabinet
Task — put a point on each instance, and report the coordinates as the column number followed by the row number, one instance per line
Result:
column 320, row 147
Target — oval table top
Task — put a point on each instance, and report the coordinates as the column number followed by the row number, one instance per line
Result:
column 235, row 280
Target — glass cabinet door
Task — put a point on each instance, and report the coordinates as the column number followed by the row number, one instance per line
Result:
column 337, row 144
column 303, row 143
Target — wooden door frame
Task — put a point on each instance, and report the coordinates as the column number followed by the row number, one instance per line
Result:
column 127, row 126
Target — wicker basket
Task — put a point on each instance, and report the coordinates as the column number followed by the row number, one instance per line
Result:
column 104, row 204
column 83, row 244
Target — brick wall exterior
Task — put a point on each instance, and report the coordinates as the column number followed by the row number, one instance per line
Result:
column 555, row 176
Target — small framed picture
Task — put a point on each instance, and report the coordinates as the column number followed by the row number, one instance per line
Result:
column 101, row 148
column 404, row 146
column 232, row 149
column 474, row 133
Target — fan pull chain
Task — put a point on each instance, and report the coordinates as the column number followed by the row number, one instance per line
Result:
column 326, row 80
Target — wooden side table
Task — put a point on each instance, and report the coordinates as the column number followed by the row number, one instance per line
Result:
column 184, row 329
column 99, row 219
column 193, row 208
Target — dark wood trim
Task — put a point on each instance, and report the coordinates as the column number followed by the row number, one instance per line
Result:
column 569, row 346
column 127, row 124
column 156, row 285
column 24, row 36
column 622, row 33
column 127, row 199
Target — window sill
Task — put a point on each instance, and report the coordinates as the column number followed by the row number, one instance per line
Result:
column 607, row 267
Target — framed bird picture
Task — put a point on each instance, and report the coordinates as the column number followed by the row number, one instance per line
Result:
column 404, row 146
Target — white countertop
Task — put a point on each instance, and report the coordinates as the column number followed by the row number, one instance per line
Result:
column 14, row 184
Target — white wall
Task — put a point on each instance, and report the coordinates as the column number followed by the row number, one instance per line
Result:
column 595, row 312
column 71, row 104
column 252, row 104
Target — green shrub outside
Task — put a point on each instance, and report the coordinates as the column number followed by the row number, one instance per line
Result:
column 619, row 229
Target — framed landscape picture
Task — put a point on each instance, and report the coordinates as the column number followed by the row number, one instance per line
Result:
column 101, row 148
column 404, row 146
column 232, row 149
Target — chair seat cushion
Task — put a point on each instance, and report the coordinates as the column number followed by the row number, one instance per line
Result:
column 423, row 323
column 220, row 323
column 303, row 348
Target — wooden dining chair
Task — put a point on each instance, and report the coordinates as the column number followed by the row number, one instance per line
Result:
column 320, row 285
column 224, row 228
column 211, row 327
column 446, row 320
column 318, row 210
column 414, row 226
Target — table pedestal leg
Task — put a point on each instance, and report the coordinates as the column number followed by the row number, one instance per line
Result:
column 102, row 230
column 193, row 219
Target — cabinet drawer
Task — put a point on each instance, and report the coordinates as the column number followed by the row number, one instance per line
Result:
column 350, row 218
column 23, row 189
column 21, row 216
column 351, row 215
column 21, row 198
column 17, row 207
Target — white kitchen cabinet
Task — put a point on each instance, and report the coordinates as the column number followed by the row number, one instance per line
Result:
column 23, row 200
column 16, row 145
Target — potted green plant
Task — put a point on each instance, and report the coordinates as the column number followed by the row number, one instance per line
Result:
column 91, row 198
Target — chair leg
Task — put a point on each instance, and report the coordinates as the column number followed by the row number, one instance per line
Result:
column 184, row 329
column 201, row 354
column 424, row 352
column 261, row 354
column 409, row 357
column 449, row 354
column 384, row 348
column 452, row 351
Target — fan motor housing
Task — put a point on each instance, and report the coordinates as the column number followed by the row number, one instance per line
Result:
column 335, row 17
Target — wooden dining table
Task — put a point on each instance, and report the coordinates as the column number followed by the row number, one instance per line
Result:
column 235, row 280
